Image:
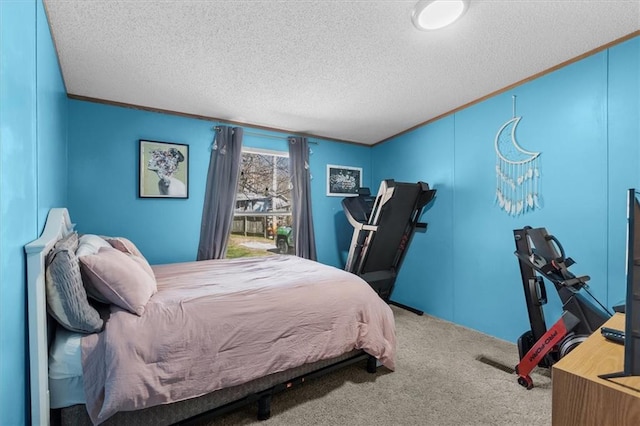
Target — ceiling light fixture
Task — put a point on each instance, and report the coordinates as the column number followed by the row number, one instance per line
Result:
column 435, row 14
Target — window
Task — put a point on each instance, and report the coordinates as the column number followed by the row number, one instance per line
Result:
column 262, row 215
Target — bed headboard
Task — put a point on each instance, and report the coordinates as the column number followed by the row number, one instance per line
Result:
column 57, row 226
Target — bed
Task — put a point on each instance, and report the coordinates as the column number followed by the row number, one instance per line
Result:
column 197, row 339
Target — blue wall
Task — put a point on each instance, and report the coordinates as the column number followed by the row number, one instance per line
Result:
column 51, row 124
column 33, row 120
column 584, row 120
column 623, row 104
column 103, row 178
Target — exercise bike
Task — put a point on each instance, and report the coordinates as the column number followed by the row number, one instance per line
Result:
column 541, row 256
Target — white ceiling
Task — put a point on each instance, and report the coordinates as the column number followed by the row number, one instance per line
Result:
column 349, row 70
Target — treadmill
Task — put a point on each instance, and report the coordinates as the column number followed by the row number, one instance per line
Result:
column 383, row 227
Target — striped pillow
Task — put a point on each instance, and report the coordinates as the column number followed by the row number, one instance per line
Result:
column 66, row 296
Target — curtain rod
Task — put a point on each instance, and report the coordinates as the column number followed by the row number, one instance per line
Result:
column 265, row 135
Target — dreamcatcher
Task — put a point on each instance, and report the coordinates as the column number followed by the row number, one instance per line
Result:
column 517, row 171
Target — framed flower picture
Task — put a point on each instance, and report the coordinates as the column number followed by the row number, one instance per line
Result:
column 163, row 170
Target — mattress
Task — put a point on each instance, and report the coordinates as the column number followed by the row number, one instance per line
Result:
column 66, row 386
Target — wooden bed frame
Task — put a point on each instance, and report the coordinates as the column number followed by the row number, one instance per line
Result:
column 59, row 225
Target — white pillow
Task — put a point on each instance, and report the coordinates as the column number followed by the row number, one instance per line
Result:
column 90, row 244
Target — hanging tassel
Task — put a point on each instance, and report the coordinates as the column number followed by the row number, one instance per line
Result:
column 517, row 171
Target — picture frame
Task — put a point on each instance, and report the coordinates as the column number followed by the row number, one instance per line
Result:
column 343, row 181
column 163, row 170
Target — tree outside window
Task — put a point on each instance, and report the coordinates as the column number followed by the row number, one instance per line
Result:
column 262, row 215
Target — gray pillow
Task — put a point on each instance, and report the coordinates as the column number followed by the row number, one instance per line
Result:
column 69, row 242
column 66, row 297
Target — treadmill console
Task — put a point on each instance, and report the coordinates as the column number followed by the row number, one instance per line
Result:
column 359, row 208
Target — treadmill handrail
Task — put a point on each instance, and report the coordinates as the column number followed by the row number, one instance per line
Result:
column 385, row 193
column 365, row 227
column 360, row 225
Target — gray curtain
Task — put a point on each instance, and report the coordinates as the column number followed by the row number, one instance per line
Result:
column 220, row 193
column 305, row 240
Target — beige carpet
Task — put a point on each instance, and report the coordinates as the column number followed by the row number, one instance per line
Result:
column 438, row 381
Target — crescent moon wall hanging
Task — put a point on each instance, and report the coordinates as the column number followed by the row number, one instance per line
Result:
column 517, row 171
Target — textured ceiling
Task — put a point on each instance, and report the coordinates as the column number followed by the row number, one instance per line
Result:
column 349, row 70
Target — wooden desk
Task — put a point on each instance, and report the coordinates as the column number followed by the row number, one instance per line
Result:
column 579, row 397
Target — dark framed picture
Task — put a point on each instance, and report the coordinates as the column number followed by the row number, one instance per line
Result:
column 343, row 181
column 163, row 170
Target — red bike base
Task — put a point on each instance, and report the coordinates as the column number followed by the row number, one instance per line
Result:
column 548, row 342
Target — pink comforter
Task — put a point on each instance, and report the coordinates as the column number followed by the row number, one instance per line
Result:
column 220, row 323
